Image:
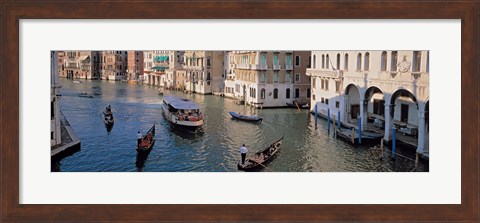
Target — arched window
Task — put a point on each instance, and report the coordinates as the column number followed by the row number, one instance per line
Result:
column 323, row 61
column 338, row 61
column 328, row 61
column 417, row 58
column 366, row 66
column 383, row 62
column 275, row 93
column 297, row 60
column 393, row 65
column 287, row 93
column 345, row 65
column 314, row 61
column 359, row 62
column 262, row 93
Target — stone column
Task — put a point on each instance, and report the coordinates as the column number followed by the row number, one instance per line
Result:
column 421, row 132
column 363, row 111
column 388, row 121
column 346, row 117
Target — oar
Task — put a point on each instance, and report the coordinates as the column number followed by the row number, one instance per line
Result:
column 259, row 163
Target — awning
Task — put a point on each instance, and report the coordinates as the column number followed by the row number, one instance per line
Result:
column 377, row 96
column 160, row 58
column 83, row 57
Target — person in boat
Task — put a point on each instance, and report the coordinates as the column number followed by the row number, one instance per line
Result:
column 150, row 137
column 139, row 138
column 243, row 153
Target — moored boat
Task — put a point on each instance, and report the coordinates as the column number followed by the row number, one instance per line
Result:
column 261, row 158
column 298, row 105
column 147, row 141
column 182, row 112
column 250, row 118
column 84, row 95
column 108, row 116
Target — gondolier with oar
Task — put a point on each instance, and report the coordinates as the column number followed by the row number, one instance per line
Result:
column 243, row 153
column 139, row 138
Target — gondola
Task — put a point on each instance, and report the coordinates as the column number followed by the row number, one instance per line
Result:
column 259, row 159
column 108, row 116
column 301, row 106
column 85, row 95
column 249, row 118
column 147, row 141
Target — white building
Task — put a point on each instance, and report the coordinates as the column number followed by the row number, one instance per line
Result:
column 263, row 78
column 229, row 74
column 389, row 87
column 55, row 133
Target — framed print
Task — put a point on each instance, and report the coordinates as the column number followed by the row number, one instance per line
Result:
column 423, row 37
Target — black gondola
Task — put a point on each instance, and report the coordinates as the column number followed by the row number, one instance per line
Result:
column 248, row 118
column 259, row 159
column 300, row 106
column 108, row 116
column 147, row 141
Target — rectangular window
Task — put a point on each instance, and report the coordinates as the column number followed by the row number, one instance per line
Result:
column 337, row 86
column 275, row 59
column 313, row 97
column 322, row 101
column 297, row 92
column 208, row 62
column 288, row 77
column 51, row 135
column 297, row 78
column 326, row 101
column 262, row 77
column 314, row 85
column 275, row 77
column 288, row 59
column 337, row 104
column 308, row 92
column 52, row 112
column 263, row 59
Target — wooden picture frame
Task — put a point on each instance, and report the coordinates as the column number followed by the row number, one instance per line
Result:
column 12, row 11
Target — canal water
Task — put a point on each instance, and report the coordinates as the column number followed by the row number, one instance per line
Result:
column 216, row 149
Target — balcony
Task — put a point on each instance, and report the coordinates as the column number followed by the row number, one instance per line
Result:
column 288, row 67
column 243, row 66
column 325, row 73
column 262, row 67
column 276, row 67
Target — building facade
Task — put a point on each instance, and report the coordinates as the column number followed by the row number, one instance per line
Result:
column 135, row 65
column 263, row 78
column 114, row 65
column 204, row 70
column 301, row 82
column 385, row 88
column 55, row 125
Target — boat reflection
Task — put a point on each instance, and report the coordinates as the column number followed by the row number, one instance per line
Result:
column 141, row 158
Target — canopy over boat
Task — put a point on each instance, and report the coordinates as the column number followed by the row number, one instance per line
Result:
column 180, row 103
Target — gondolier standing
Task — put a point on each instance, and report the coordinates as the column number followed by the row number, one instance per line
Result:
column 139, row 138
column 243, row 152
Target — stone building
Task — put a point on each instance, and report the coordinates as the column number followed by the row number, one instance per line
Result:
column 378, row 88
